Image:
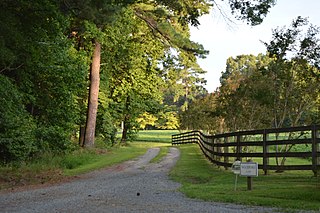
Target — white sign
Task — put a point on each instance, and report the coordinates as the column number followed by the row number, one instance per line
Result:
column 249, row 169
column 236, row 167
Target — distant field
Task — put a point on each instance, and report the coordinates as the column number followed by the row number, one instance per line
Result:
column 163, row 136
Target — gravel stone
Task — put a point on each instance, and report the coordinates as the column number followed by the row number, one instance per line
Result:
column 133, row 186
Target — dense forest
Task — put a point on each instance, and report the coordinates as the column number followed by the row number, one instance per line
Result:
column 73, row 70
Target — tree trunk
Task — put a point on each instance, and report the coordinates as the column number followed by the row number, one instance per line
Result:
column 81, row 135
column 93, row 96
column 125, row 130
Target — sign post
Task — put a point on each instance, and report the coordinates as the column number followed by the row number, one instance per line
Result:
column 249, row 169
column 236, row 170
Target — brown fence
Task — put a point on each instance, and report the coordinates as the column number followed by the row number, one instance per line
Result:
column 295, row 148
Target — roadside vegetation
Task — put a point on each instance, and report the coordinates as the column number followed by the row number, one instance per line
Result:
column 293, row 190
column 51, row 168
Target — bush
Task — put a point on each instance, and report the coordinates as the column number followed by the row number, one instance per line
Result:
column 54, row 139
column 17, row 140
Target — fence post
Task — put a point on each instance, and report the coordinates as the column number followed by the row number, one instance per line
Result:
column 211, row 139
column 226, row 151
column 315, row 149
column 265, row 152
column 239, row 149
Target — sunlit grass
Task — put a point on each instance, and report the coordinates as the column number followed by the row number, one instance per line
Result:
column 156, row 135
column 200, row 179
column 163, row 152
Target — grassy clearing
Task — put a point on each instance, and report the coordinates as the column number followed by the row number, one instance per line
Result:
column 163, row 136
column 288, row 190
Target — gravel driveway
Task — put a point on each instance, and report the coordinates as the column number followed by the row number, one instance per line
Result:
column 133, row 186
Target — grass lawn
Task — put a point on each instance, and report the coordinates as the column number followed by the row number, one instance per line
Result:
column 163, row 136
column 201, row 179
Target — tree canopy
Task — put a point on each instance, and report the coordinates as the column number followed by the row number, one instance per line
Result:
column 74, row 70
column 272, row 90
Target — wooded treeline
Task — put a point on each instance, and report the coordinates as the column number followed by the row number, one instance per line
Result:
column 76, row 69
column 277, row 89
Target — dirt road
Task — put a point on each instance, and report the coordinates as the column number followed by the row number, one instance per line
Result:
column 133, row 186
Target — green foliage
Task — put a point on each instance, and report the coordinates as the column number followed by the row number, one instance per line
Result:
column 54, row 139
column 17, row 140
column 245, row 94
column 45, row 53
column 47, row 74
column 106, row 128
column 168, row 120
column 188, row 10
column 253, row 11
column 146, row 120
column 202, row 115
column 279, row 89
column 294, row 73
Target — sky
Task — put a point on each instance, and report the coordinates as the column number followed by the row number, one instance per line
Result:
column 226, row 39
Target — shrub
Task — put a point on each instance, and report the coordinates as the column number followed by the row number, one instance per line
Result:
column 17, row 141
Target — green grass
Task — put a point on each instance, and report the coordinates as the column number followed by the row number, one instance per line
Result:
column 51, row 168
column 200, row 179
column 163, row 136
column 112, row 157
column 163, row 152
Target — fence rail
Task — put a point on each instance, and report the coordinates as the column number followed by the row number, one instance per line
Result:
column 273, row 149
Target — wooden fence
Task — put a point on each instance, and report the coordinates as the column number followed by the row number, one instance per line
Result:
column 273, row 149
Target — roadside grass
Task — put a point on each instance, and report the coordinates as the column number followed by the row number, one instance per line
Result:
column 52, row 168
column 290, row 191
column 113, row 156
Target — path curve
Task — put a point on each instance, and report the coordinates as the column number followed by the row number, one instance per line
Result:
column 133, row 186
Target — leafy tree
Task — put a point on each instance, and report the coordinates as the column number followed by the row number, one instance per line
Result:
column 146, row 119
column 253, row 11
column 88, row 13
column 44, row 69
column 278, row 90
column 244, row 95
column 183, row 79
column 17, row 138
column 133, row 73
column 294, row 73
column 89, row 18
column 48, row 74
column 202, row 115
